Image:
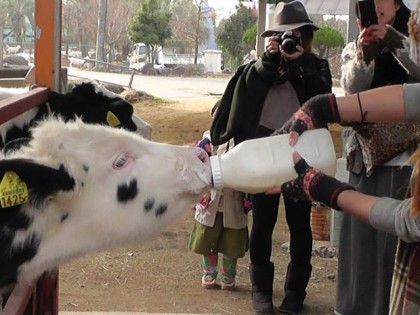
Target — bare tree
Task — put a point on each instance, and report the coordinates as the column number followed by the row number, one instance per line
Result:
column 80, row 18
column 119, row 12
column 100, row 39
column 2, row 23
column 195, row 32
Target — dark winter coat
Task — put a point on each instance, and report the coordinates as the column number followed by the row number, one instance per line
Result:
column 240, row 108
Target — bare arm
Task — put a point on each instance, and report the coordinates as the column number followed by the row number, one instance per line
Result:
column 396, row 103
column 381, row 104
column 356, row 204
column 383, row 213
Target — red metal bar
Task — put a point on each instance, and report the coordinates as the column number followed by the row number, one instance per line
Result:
column 47, row 73
column 18, row 300
column 23, row 300
column 47, row 293
column 16, row 105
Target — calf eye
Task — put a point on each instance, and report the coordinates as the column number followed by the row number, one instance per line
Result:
column 120, row 160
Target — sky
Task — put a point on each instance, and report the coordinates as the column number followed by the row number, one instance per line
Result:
column 224, row 8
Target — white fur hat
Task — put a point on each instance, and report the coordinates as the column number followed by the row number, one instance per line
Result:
column 411, row 4
column 414, row 29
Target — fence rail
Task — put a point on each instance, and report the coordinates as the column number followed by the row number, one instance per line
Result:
column 40, row 297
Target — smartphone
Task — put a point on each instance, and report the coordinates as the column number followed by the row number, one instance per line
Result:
column 367, row 12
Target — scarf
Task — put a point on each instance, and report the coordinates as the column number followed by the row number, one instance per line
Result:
column 405, row 289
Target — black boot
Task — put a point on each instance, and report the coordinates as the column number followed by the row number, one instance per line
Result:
column 294, row 288
column 262, row 288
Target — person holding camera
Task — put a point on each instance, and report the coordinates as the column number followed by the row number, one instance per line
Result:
column 258, row 99
column 374, row 59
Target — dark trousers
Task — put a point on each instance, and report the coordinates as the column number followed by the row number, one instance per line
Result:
column 264, row 218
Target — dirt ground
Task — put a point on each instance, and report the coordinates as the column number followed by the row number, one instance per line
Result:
column 163, row 276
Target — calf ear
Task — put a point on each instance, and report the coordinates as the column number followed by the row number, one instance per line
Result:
column 15, row 145
column 122, row 110
column 41, row 181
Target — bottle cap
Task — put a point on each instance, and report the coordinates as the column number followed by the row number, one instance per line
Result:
column 216, row 172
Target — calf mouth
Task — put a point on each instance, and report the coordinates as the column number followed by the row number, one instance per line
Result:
column 199, row 174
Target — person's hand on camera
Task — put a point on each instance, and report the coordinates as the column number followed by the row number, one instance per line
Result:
column 314, row 114
column 273, row 45
column 292, row 56
column 273, row 48
column 312, row 184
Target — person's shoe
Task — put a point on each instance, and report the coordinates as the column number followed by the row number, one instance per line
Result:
column 292, row 303
column 262, row 277
column 227, row 283
column 208, row 281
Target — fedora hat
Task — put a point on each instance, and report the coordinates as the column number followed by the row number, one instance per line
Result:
column 288, row 16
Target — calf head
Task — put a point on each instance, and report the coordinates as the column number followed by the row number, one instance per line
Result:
column 93, row 106
column 86, row 101
column 89, row 187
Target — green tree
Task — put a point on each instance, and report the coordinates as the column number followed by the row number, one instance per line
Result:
column 325, row 39
column 151, row 26
column 230, row 32
column 249, row 38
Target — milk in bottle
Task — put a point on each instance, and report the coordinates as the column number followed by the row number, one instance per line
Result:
column 256, row 165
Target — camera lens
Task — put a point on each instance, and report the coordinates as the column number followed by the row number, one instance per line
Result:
column 288, row 45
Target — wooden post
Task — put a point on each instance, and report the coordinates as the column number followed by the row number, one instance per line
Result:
column 48, row 73
column 48, row 43
column 262, row 10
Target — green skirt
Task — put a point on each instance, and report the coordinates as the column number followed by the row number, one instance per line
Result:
column 206, row 240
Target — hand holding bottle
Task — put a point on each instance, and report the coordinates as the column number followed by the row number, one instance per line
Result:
column 312, row 184
column 314, row 113
column 256, row 165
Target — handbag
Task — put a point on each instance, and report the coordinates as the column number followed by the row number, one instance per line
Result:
column 381, row 142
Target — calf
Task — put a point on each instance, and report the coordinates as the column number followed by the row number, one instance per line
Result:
column 86, row 100
column 13, row 50
column 78, row 188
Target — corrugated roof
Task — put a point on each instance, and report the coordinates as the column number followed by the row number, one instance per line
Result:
column 334, row 7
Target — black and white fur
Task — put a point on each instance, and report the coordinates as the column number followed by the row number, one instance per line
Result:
column 87, row 100
column 91, row 187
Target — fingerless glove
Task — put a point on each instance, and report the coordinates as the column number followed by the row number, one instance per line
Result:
column 314, row 113
column 314, row 185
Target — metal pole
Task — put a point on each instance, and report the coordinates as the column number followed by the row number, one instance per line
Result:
column 131, row 78
column 1, row 47
column 262, row 11
column 100, row 39
column 57, row 46
column 352, row 28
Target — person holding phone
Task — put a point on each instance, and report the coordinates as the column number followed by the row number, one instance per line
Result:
column 366, row 260
column 394, row 216
column 366, row 10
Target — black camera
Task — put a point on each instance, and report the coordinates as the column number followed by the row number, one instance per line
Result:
column 288, row 42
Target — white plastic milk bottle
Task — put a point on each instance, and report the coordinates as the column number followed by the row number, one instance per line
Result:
column 254, row 166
